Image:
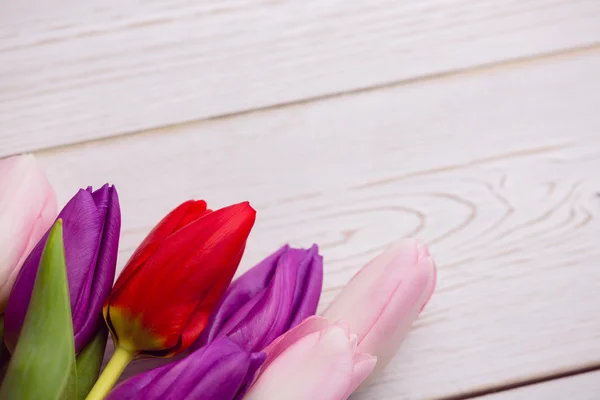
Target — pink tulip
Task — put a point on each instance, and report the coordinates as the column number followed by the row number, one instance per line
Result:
column 27, row 210
column 316, row 360
column 384, row 298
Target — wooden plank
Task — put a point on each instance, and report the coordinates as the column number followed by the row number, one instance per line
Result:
column 497, row 170
column 580, row 387
column 75, row 71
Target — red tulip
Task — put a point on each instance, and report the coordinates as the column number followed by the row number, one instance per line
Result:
column 162, row 300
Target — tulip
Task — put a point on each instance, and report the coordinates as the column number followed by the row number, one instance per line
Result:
column 221, row 370
column 269, row 299
column 315, row 360
column 162, row 300
column 27, row 210
column 384, row 298
column 91, row 226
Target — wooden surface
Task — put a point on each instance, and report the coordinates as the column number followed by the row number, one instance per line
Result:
column 73, row 71
column 580, row 387
column 473, row 125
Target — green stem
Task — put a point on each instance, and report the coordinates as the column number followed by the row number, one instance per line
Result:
column 119, row 360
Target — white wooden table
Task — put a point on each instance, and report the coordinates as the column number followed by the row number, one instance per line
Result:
column 472, row 124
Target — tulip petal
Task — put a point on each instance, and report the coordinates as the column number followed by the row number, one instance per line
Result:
column 165, row 305
column 265, row 317
column 173, row 221
column 91, row 263
column 81, row 204
column 40, row 226
column 309, row 282
column 364, row 364
column 218, row 371
column 309, row 325
column 89, row 224
column 256, row 361
column 318, row 366
column 241, row 291
column 27, row 210
column 396, row 319
column 269, row 299
column 384, row 298
column 104, row 272
column 199, row 317
column 384, row 274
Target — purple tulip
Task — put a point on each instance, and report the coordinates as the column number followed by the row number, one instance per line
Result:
column 268, row 300
column 220, row 371
column 91, row 226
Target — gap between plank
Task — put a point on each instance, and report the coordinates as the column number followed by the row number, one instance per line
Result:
column 508, row 63
column 505, row 387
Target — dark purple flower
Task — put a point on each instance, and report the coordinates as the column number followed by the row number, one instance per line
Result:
column 220, row 371
column 91, row 227
column 268, row 300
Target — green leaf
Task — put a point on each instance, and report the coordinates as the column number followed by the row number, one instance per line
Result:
column 70, row 390
column 89, row 361
column 4, row 353
column 44, row 357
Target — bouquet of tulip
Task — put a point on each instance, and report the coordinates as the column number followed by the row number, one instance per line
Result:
column 256, row 338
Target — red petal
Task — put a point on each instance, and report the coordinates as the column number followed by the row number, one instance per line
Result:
column 189, row 270
column 173, row 221
column 199, row 318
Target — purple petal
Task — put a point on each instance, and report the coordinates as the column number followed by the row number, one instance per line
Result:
column 104, row 272
column 269, row 299
column 309, row 283
column 240, row 292
column 256, row 361
column 88, row 256
column 83, row 237
column 255, row 327
column 219, row 371
column 81, row 205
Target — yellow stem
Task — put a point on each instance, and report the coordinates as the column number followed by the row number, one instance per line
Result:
column 119, row 360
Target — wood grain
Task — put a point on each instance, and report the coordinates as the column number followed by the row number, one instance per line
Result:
column 497, row 170
column 580, row 387
column 72, row 71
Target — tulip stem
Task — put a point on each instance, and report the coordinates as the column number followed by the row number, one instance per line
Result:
column 119, row 360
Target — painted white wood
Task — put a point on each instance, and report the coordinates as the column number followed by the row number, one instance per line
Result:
column 72, row 70
column 578, row 387
column 497, row 170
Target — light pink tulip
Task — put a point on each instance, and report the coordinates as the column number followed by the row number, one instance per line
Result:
column 27, row 209
column 314, row 361
column 384, row 298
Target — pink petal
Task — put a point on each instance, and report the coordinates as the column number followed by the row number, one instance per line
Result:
column 319, row 366
column 309, row 325
column 394, row 323
column 364, row 364
column 27, row 209
column 381, row 302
